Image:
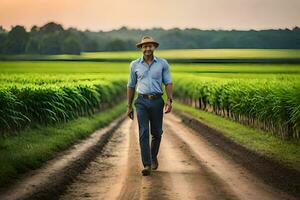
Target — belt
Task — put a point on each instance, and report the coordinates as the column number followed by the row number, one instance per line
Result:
column 150, row 96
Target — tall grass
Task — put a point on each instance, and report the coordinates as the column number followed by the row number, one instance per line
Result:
column 36, row 101
column 269, row 105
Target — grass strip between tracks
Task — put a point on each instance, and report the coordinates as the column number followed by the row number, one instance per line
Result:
column 32, row 147
column 264, row 143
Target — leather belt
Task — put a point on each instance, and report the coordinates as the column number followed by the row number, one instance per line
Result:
column 150, row 96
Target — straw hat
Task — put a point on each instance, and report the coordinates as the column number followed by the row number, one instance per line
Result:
column 147, row 39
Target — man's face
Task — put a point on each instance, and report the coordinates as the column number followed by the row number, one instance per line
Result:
column 148, row 49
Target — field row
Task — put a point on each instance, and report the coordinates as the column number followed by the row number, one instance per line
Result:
column 261, row 95
column 66, row 68
column 270, row 105
column 175, row 54
column 22, row 105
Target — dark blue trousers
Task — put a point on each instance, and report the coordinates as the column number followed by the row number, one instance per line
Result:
column 149, row 111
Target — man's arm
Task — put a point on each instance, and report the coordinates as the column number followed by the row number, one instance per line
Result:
column 169, row 90
column 132, row 79
column 168, row 86
column 130, row 90
column 168, row 105
column 130, row 96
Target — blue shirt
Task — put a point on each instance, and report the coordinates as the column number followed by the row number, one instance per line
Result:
column 149, row 78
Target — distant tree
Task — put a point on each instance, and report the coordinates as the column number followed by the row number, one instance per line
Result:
column 16, row 41
column 2, row 30
column 50, row 44
column 33, row 46
column 3, row 37
column 120, row 45
column 71, row 45
column 123, row 28
column 172, row 38
column 34, row 30
column 52, row 38
column 116, row 45
column 51, row 27
column 90, row 45
column 296, row 29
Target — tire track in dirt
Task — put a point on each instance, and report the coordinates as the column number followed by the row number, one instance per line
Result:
column 189, row 168
column 105, row 175
column 236, row 179
column 132, row 187
column 179, row 175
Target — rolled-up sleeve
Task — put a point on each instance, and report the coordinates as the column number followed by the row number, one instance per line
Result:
column 132, row 76
column 166, row 73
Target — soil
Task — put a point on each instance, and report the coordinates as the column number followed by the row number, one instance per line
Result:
column 190, row 167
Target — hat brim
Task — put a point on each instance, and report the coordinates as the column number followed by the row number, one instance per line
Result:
column 139, row 45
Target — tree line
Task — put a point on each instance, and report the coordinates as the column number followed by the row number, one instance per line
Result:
column 52, row 38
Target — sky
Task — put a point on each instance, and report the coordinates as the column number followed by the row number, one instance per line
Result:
column 106, row 15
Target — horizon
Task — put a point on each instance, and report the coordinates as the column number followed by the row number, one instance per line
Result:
column 143, row 29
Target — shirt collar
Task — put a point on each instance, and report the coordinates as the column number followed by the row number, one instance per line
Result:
column 142, row 59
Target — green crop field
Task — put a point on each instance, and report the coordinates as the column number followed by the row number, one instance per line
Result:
column 38, row 98
column 178, row 54
column 202, row 53
column 271, row 104
column 28, row 99
column 261, row 95
column 123, row 67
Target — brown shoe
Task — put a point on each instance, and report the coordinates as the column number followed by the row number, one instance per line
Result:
column 146, row 171
column 154, row 164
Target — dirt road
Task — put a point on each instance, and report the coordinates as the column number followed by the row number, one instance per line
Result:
column 189, row 168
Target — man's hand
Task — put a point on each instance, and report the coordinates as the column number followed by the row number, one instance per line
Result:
column 129, row 112
column 168, row 106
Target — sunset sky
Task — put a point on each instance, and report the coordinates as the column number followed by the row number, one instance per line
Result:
column 111, row 14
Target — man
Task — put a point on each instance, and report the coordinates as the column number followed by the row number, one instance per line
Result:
column 149, row 72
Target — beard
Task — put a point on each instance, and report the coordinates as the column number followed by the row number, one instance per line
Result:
column 148, row 52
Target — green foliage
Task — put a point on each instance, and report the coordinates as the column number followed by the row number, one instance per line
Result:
column 16, row 41
column 28, row 100
column 48, row 39
column 71, row 45
column 191, row 57
column 221, row 87
column 268, row 104
column 31, row 148
column 50, row 44
column 120, row 45
column 51, row 27
column 32, row 46
column 52, row 38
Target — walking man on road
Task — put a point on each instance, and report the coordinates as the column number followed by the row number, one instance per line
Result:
column 148, row 73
